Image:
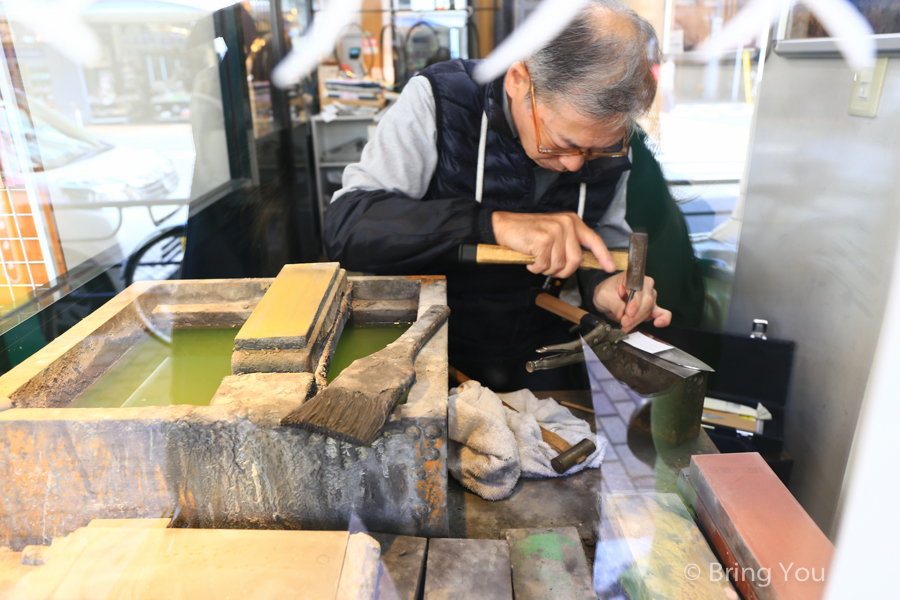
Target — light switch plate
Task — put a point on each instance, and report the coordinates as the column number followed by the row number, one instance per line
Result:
column 866, row 91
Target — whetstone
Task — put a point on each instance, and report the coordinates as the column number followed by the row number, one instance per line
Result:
column 755, row 523
column 288, row 312
column 287, row 330
column 461, row 569
column 403, row 566
column 548, row 564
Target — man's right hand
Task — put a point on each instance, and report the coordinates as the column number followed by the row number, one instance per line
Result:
column 553, row 239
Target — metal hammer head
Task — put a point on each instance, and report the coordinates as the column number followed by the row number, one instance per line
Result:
column 637, row 262
column 575, row 455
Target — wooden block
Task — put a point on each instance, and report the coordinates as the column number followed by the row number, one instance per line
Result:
column 119, row 563
column 548, row 564
column 647, row 543
column 384, row 311
column 288, row 389
column 131, row 523
column 464, row 569
column 759, row 528
column 223, row 314
column 290, row 309
column 403, row 562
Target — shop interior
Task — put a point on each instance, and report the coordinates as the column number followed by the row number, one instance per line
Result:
column 173, row 312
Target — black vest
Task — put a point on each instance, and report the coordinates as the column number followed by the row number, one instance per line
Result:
column 493, row 311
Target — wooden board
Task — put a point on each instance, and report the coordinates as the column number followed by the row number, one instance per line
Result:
column 650, row 547
column 754, row 520
column 132, row 523
column 463, row 569
column 403, row 566
column 125, row 563
column 288, row 312
column 548, row 564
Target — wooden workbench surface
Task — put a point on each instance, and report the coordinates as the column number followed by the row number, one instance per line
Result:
column 631, row 464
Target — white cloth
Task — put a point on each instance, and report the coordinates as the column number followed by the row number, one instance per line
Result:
column 492, row 446
column 530, row 415
column 483, row 453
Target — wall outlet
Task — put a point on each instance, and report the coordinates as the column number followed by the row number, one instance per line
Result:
column 866, row 90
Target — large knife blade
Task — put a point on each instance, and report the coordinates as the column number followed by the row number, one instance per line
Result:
column 669, row 353
column 679, row 357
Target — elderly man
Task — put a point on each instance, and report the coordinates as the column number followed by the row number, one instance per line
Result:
column 535, row 161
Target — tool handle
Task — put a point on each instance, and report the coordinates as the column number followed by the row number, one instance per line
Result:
column 558, row 444
column 420, row 332
column 501, row 255
column 566, row 310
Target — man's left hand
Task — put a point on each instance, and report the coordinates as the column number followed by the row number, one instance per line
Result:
column 610, row 297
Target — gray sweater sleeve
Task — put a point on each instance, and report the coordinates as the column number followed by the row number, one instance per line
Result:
column 402, row 156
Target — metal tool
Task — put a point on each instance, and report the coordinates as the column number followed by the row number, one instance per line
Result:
column 637, row 265
column 602, row 339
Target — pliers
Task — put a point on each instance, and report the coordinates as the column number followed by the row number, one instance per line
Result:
column 601, row 339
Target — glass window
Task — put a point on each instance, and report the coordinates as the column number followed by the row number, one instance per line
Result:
column 101, row 158
column 883, row 15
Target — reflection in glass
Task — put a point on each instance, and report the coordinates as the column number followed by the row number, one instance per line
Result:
column 105, row 157
column 882, row 15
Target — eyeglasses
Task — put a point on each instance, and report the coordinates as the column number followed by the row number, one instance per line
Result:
column 619, row 150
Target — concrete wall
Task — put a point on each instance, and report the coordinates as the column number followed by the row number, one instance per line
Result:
column 816, row 253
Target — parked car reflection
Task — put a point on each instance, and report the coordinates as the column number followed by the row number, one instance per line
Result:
column 108, row 200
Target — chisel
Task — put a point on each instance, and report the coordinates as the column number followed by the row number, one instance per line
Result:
column 637, row 264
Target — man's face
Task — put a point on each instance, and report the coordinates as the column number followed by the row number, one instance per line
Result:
column 560, row 127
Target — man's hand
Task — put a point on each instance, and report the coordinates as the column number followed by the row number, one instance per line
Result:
column 553, row 239
column 610, row 297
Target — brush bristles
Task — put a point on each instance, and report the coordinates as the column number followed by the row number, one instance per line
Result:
column 347, row 415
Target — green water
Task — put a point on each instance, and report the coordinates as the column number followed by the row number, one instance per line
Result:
column 362, row 340
column 154, row 373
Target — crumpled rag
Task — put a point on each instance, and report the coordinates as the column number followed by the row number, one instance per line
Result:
column 492, row 446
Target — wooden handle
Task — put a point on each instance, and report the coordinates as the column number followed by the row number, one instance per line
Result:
column 419, row 332
column 501, row 255
column 560, row 308
column 558, row 444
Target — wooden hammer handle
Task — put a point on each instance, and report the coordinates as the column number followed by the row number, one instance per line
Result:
column 501, row 255
column 566, row 310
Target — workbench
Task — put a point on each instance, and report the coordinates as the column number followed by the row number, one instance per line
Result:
column 629, row 466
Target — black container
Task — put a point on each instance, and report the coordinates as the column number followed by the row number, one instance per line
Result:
column 748, row 371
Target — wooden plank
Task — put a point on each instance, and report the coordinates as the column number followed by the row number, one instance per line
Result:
column 461, row 569
column 384, row 311
column 218, row 314
column 162, row 523
column 403, row 562
column 548, row 564
column 119, row 563
column 751, row 517
column 651, row 548
column 290, row 309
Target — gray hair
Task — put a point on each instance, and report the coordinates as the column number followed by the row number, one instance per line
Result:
column 598, row 68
